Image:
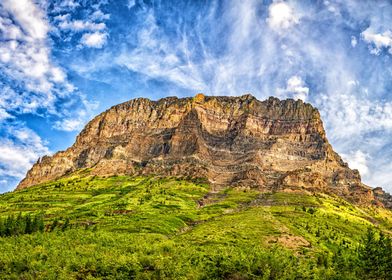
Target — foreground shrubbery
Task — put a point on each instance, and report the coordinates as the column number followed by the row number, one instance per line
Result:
column 85, row 254
column 148, row 228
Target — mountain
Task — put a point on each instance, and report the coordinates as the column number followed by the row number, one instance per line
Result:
column 236, row 141
column 197, row 188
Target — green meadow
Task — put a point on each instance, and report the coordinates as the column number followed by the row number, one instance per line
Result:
column 124, row 227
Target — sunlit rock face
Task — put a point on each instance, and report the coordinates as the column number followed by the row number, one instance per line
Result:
column 382, row 197
column 231, row 141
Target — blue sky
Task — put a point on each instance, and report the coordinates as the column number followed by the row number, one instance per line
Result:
column 62, row 62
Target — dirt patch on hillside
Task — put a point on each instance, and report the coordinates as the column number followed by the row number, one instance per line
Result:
column 292, row 242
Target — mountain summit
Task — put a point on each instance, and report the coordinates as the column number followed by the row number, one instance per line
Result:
column 237, row 141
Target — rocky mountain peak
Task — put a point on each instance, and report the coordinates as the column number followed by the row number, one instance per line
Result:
column 231, row 141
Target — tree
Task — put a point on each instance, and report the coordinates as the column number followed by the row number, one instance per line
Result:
column 9, row 226
column 54, row 224
column 2, row 227
column 40, row 223
column 376, row 255
column 21, row 225
column 28, row 224
column 65, row 225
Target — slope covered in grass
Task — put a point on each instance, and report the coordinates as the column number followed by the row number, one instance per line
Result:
column 125, row 227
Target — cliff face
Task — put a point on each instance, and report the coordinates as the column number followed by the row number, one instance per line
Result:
column 383, row 197
column 236, row 141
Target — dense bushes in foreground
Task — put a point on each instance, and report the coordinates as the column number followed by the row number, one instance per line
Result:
column 87, row 254
column 164, row 228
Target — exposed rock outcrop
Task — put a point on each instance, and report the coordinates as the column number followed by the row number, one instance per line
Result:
column 270, row 145
column 383, row 197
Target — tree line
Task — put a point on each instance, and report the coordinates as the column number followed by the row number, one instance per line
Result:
column 21, row 224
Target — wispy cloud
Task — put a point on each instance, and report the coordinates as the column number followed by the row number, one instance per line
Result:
column 352, row 116
column 80, row 25
column 31, row 82
column 76, row 118
column 20, row 147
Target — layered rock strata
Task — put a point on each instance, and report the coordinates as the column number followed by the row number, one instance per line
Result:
column 231, row 141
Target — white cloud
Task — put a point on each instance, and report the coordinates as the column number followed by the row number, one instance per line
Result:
column 10, row 30
column 94, row 33
column 358, row 160
column 349, row 116
column 281, row 16
column 99, row 15
column 94, row 40
column 76, row 119
column 4, row 115
column 19, row 149
column 29, row 16
column 381, row 175
column 69, row 4
column 295, row 88
column 62, row 17
column 354, row 41
column 34, row 82
column 80, row 25
column 250, row 53
column 57, row 75
column 69, row 124
column 24, row 51
column 360, row 130
column 332, row 7
column 23, row 102
column 378, row 41
column 131, row 4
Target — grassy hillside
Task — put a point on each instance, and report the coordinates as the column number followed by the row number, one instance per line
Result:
column 124, row 227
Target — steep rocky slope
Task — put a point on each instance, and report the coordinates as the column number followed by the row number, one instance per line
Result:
column 238, row 141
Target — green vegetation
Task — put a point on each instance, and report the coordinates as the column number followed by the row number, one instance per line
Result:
column 121, row 227
column 12, row 226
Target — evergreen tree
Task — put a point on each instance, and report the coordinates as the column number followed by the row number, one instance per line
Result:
column 2, row 227
column 19, row 225
column 65, row 225
column 376, row 256
column 28, row 224
column 40, row 223
column 54, row 224
column 37, row 223
column 12, row 226
column 385, row 256
column 9, row 225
